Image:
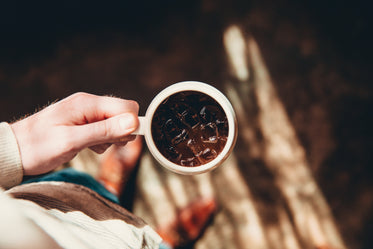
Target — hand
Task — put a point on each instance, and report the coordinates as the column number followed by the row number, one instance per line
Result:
column 57, row 133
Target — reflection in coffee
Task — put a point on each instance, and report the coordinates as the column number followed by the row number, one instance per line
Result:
column 190, row 128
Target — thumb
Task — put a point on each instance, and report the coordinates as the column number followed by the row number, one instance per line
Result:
column 106, row 131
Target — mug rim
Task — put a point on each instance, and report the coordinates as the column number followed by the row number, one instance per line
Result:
column 214, row 93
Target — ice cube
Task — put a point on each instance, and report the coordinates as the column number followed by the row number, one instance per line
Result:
column 194, row 147
column 223, row 128
column 173, row 154
column 190, row 118
column 191, row 161
column 179, row 108
column 208, row 154
column 180, row 137
column 171, row 129
column 209, row 133
column 209, row 113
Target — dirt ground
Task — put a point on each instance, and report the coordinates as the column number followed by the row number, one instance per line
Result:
column 305, row 86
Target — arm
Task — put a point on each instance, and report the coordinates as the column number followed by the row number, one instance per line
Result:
column 57, row 133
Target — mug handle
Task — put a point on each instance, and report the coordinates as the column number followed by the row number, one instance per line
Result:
column 141, row 129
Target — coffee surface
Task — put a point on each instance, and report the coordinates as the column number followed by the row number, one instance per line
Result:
column 190, row 128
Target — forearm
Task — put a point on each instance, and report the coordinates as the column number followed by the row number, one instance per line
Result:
column 11, row 171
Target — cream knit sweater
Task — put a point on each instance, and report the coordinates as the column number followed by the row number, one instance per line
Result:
column 11, row 172
column 60, row 215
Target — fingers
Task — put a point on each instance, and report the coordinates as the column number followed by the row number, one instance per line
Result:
column 88, row 108
column 101, row 148
column 125, row 140
column 116, row 129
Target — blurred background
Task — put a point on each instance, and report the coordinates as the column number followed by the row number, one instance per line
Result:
column 298, row 74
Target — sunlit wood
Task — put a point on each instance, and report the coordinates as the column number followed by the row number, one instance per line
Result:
column 286, row 158
column 155, row 195
column 236, row 52
column 241, row 207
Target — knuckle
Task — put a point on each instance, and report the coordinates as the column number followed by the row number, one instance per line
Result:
column 77, row 101
column 105, row 130
column 133, row 105
column 79, row 96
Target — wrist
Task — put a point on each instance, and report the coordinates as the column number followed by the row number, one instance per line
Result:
column 11, row 171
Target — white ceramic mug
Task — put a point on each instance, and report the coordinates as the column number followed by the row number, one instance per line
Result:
column 146, row 123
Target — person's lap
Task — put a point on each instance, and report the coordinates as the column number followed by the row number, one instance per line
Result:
column 73, row 176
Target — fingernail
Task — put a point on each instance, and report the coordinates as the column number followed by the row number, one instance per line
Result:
column 126, row 122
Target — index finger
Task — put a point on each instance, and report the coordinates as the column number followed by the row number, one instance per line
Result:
column 88, row 108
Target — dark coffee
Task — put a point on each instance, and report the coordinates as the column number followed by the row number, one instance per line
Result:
column 190, row 128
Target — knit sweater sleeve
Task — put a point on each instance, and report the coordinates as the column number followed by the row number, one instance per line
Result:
column 11, row 171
